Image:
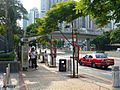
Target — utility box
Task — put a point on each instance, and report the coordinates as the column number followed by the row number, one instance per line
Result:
column 62, row 65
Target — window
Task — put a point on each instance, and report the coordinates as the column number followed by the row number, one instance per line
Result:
column 101, row 55
column 90, row 56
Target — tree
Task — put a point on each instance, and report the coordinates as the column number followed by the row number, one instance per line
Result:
column 10, row 12
column 101, row 41
column 36, row 28
column 63, row 11
column 115, row 36
column 103, row 11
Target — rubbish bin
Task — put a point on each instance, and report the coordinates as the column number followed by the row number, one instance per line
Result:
column 62, row 65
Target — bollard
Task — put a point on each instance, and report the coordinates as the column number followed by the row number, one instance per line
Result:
column 8, row 73
column 4, row 81
column 115, row 77
column 6, row 77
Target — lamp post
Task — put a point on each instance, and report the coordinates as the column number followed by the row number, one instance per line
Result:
column 73, row 44
column 75, row 51
column 74, row 35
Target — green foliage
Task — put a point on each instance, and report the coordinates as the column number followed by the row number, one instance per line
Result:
column 36, row 28
column 16, row 39
column 101, row 41
column 59, row 43
column 111, row 37
column 2, row 28
column 10, row 12
column 115, row 36
column 7, row 56
column 63, row 11
column 103, row 11
column 44, row 40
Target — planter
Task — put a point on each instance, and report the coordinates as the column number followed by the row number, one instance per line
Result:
column 14, row 66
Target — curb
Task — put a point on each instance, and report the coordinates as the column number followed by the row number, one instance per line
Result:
column 22, row 84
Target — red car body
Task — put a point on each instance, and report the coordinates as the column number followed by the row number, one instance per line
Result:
column 96, row 60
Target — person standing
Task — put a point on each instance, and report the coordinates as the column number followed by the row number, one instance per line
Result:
column 46, row 57
column 33, row 57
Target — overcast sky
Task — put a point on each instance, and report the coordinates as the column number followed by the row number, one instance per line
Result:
column 29, row 4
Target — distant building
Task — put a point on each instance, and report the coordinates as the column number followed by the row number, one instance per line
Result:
column 44, row 7
column 82, row 23
column 25, row 23
column 34, row 13
column 52, row 2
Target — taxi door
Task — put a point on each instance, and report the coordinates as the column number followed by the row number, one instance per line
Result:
column 90, row 58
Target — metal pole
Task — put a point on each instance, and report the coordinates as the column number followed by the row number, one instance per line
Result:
column 51, row 50
column 8, row 73
column 73, row 52
column 77, row 53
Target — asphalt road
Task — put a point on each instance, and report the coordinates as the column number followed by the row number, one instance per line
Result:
column 103, row 74
column 94, row 73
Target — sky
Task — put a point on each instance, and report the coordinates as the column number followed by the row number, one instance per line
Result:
column 29, row 4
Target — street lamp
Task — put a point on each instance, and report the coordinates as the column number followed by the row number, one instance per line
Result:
column 75, row 46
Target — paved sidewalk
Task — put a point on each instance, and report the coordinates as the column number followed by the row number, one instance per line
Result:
column 14, row 83
column 46, row 78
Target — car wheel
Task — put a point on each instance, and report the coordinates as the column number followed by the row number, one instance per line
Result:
column 93, row 65
column 104, row 67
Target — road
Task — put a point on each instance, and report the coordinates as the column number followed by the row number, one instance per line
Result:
column 94, row 73
column 103, row 74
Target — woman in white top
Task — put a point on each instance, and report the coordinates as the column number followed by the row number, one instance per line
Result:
column 46, row 57
column 33, row 57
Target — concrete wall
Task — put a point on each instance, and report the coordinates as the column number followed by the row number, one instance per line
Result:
column 14, row 66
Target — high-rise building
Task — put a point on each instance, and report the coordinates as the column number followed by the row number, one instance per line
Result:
column 52, row 2
column 44, row 7
column 25, row 22
column 34, row 13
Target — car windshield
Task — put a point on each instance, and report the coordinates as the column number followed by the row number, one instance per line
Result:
column 101, row 55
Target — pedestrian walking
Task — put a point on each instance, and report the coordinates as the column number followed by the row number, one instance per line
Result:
column 29, row 58
column 46, row 57
column 33, row 57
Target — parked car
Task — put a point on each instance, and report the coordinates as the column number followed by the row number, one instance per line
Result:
column 96, row 60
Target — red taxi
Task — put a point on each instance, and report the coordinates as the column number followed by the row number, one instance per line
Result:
column 96, row 60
